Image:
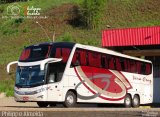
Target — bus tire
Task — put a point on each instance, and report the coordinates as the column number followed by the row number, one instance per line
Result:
column 70, row 99
column 135, row 101
column 127, row 101
column 42, row 104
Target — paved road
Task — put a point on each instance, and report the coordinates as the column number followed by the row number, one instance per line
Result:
column 10, row 108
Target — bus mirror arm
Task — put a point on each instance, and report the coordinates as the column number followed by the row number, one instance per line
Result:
column 57, row 60
column 49, row 60
column 9, row 64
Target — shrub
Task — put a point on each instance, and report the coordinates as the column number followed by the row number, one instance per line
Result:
column 93, row 11
column 66, row 37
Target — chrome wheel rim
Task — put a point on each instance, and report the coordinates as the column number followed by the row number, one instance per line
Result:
column 135, row 101
column 70, row 99
column 128, row 102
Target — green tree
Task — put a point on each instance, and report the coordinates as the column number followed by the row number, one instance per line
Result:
column 93, row 11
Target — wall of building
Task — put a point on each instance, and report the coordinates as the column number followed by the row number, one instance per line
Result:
column 156, row 90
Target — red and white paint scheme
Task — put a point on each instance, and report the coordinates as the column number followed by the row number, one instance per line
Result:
column 71, row 73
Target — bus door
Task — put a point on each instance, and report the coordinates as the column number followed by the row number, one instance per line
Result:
column 54, row 76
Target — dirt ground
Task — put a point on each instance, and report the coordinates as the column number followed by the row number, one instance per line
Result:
column 10, row 108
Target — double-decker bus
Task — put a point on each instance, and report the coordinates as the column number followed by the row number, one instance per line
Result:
column 71, row 73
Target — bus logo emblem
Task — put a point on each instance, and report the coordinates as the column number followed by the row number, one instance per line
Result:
column 100, row 84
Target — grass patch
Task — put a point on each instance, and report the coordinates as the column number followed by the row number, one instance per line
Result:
column 7, row 86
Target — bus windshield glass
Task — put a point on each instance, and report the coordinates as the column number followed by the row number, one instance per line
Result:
column 35, row 53
column 29, row 76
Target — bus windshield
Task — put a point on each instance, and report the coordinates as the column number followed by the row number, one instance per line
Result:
column 29, row 76
column 35, row 53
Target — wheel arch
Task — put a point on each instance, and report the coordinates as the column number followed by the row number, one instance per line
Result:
column 72, row 90
column 130, row 95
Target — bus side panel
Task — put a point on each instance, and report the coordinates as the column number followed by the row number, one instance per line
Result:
column 142, row 85
column 91, row 83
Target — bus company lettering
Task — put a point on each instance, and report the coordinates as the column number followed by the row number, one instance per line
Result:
column 137, row 78
column 144, row 79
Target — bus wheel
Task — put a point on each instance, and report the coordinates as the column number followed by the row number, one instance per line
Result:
column 136, row 101
column 127, row 101
column 70, row 99
column 42, row 104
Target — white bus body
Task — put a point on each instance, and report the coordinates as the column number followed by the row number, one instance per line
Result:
column 88, row 75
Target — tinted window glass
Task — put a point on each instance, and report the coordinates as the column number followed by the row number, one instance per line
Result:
column 132, row 66
column 83, row 57
column 111, row 62
column 61, row 52
column 35, row 53
column 104, row 61
column 148, row 69
column 79, row 57
column 94, row 59
column 101, row 60
column 118, row 64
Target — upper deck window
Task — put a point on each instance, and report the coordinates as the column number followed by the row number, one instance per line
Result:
column 43, row 51
column 35, row 53
column 61, row 51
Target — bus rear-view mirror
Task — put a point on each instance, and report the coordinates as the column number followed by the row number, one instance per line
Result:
column 9, row 65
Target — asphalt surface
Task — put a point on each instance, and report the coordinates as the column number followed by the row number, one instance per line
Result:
column 10, row 108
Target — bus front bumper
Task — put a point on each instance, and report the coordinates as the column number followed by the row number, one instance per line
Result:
column 29, row 98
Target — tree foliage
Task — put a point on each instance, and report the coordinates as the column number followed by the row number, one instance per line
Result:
column 93, row 11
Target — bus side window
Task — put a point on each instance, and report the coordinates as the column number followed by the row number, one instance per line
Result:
column 58, row 53
column 132, row 66
column 107, row 61
column 118, row 64
column 125, row 65
column 90, row 61
column 122, row 64
column 94, row 59
column 129, row 66
column 103, row 61
column 65, row 54
column 83, row 56
column 97, row 59
column 76, row 58
column 138, row 67
column 148, row 69
column 111, row 63
column 143, row 68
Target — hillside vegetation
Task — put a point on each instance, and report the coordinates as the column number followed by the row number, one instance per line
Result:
column 63, row 18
